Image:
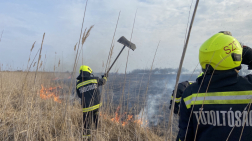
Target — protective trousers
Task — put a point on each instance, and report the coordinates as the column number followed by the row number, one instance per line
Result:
column 90, row 120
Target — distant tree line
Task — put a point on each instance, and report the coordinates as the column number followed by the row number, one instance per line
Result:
column 158, row 71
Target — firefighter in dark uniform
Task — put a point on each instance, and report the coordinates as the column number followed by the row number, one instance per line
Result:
column 87, row 90
column 217, row 106
column 181, row 87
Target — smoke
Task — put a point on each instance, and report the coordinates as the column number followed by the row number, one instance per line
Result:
column 155, row 109
column 158, row 97
column 149, row 114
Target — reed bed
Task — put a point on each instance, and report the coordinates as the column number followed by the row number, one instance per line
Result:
column 24, row 115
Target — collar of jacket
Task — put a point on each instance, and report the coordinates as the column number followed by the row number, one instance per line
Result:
column 219, row 79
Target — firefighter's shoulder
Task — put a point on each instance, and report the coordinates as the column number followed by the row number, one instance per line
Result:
column 95, row 77
column 190, row 89
column 183, row 85
column 186, row 83
column 78, row 81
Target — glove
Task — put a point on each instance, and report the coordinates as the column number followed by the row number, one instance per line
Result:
column 247, row 56
column 104, row 77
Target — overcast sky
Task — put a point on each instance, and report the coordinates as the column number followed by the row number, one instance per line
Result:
column 24, row 22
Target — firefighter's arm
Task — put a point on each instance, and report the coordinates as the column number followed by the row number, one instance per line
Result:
column 181, row 88
column 176, row 106
column 183, row 123
column 102, row 81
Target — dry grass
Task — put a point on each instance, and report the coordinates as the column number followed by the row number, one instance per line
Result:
column 25, row 116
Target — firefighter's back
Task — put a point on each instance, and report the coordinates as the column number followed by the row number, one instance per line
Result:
column 221, row 109
column 89, row 87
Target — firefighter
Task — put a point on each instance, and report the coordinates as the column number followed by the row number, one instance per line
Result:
column 181, row 87
column 220, row 99
column 87, row 89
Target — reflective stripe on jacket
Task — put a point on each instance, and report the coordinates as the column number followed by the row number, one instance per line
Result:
column 86, row 82
column 91, row 108
column 231, row 97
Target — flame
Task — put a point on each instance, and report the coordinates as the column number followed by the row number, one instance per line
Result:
column 117, row 117
column 46, row 93
column 129, row 118
column 141, row 122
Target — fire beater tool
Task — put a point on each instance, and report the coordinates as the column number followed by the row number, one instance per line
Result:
column 125, row 43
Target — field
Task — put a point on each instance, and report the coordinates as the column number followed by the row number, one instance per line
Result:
column 26, row 115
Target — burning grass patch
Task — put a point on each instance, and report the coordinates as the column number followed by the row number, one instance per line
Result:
column 25, row 115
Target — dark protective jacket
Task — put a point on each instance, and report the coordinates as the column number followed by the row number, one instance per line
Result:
column 225, row 111
column 181, row 87
column 87, row 86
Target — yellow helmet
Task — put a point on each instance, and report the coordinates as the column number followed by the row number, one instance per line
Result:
column 221, row 51
column 85, row 69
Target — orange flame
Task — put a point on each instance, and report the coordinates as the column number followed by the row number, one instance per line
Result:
column 117, row 119
column 128, row 119
column 141, row 122
column 46, row 93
